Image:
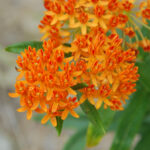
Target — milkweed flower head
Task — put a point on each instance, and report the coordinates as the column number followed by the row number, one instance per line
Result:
column 64, row 19
column 110, row 71
column 95, row 56
column 46, row 81
column 46, row 77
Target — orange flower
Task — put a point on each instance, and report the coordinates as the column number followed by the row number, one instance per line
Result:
column 109, row 69
column 113, row 5
column 53, row 31
column 74, row 15
column 84, row 22
column 130, row 32
column 47, row 76
column 47, row 82
column 145, row 44
column 127, row 5
column 146, row 13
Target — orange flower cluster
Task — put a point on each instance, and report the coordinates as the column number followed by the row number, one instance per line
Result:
column 48, row 78
column 82, row 15
column 106, row 68
column 97, row 60
column 63, row 19
column 96, row 56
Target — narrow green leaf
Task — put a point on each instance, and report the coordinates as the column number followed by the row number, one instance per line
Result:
column 144, row 143
column 59, row 125
column 107, row 116
column 93, row 115
column 79, row 86
column 131, row 120
column 67, row 44
column 20, row 47
column 144, row 71
column 77, row 141
column 93, row 135
column 96, row 129
column 68, row 54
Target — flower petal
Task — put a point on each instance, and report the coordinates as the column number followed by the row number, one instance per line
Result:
column 71, row 91
column 64, row 114
column 54, row 121
column 45, row 119
column 74, row 114
column 29, row 114
column 22, row 109
column 54, row 107
column 13, row 95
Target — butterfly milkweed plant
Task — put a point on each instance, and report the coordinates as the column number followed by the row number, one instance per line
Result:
column 89, row 71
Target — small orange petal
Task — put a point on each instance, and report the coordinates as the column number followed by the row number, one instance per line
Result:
column 54, row 121
column 45, row 119
column 77, row 73
column 106, row 101
column 83, row 29
column 54, row 107
column 74, row 114
column 71, row 91
column 20, row 76
column 49, row 94
column 91, row 100
column 22, row 109
column 82, row 99
column 22, row 101
column 110, row 79
column 43, row 105
column 94, row 80
column 99, row 103
column 29, row 114
column 13, row 95
column 77, row 55
column 64, row 114
column 38, row 110
column 115, row 86
column 35, row 105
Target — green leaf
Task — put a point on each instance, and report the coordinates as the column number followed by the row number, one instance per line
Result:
column 79, row 86
column 77, row 141
column 96, row 126
column 94, row 135
column 68, row 54
column 59, row 125
column 93, row 115
column 67, row 44
column 20, row 47
column 144, row 143
column 107, row 116
column 131, row 120
column 144, row 71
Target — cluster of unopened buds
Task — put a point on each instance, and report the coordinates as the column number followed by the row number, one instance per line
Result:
column 81, row 45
